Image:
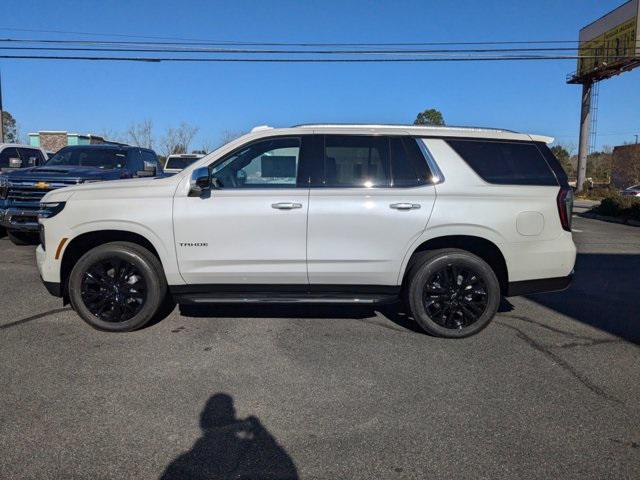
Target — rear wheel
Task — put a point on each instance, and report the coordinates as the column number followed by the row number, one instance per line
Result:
column 22, row 238
column 452, row 293
column 117, row 287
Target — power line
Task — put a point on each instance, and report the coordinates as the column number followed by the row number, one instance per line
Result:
column 299, row 60
column 190, row 41
column 280, row 51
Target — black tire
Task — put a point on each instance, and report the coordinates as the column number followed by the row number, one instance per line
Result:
column 452, row 293
column 22, row 238
column 133, row 287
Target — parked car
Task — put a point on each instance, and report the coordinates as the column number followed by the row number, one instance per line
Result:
column 14, row 156
column 177, row 162
column 21, row 190
column 633, row 191
column 448, row 219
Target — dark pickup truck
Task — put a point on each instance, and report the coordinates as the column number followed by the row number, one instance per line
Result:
column 21, row 190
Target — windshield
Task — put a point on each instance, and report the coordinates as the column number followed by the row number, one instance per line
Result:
column 180, row 162
column 104, row 158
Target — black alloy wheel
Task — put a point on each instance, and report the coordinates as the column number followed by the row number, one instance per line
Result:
column 119, row 287
column 455, row 297
column 113, row 290
column 451, row 292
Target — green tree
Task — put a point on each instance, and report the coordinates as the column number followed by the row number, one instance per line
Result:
column 564, row 157
column 429, row 117
column 10, row 128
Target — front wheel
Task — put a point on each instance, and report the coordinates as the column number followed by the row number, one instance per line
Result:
column 117, row 287
column 452, row 293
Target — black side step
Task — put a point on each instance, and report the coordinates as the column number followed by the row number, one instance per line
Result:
column 337, row 298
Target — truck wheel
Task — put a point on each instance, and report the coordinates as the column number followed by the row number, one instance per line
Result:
column 452, row 293
column 117, row 287
column 22, row 238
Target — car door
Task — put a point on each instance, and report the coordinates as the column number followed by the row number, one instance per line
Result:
column 373, row 201
column 252, row 227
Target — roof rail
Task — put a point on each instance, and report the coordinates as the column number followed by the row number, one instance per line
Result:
column 452, row 127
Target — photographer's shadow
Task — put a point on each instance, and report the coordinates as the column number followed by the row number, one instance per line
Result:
column 231, row 448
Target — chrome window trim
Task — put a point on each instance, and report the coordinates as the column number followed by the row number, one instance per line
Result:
column 436, row 174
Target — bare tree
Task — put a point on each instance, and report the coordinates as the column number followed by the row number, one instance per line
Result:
column 177, row 140
column 112, row 135
column 141, row 134
column 228, row 136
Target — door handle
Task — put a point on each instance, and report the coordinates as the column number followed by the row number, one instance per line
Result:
column 405, row 206
column 286, row 205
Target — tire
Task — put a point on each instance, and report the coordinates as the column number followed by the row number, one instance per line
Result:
column 452, row 293
column 117, row 287
column 22, row 238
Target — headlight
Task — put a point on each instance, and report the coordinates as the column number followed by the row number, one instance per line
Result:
column 50, row 209
column 4, row 187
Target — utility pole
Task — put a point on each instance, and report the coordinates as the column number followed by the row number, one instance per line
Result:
column 585, row 124
column 1, row 113
column 636, row 139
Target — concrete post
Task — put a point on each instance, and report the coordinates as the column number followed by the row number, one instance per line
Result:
column 585, row 125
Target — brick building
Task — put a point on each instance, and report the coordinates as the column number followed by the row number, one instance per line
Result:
column 625, row 168
column 52, row 141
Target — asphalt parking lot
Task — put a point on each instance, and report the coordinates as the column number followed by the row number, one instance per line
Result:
column 549, row 390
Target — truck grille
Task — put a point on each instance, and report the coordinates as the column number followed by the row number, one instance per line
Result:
column 32, row 191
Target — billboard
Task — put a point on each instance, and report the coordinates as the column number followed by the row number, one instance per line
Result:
column 611, row 42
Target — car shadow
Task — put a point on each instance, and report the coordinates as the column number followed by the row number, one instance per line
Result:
column 275, row 310
column 394, row 312
column 231, row 447
column 604, row 294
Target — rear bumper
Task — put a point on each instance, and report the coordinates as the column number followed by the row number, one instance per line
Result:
column 24, row 220
column 541, row 285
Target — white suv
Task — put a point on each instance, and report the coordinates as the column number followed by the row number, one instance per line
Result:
column 449, row 219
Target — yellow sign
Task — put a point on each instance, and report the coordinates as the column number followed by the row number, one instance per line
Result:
column 613, row 47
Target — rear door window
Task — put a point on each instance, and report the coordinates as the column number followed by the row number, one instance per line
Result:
column 505, row 162
column 408, row 165
column 356, row 161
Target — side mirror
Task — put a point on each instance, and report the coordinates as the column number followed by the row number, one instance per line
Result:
column 200, row 182
column 149, row 170
column 15, row 163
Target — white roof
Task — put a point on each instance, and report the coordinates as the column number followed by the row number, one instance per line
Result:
column 19, row 145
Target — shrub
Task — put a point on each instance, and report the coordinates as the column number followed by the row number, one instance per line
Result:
column 616, row 205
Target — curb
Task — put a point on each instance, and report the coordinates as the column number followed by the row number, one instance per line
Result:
column 605, row 218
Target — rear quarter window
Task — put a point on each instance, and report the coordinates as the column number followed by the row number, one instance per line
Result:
column 505, row 163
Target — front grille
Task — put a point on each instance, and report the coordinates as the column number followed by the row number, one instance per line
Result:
column 31, row 191
column 25, row 194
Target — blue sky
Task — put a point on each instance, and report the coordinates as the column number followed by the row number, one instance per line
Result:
column 89, row 97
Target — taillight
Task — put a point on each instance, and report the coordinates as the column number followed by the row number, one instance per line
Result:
column 565, row 207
